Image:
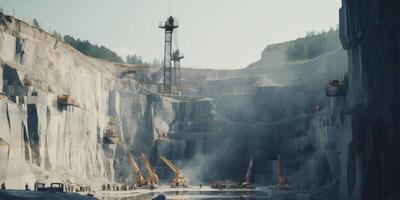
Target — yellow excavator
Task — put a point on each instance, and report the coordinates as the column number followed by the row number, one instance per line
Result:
column 179, row 180
column 152, row 176
column 247, row 182
column 140, row 181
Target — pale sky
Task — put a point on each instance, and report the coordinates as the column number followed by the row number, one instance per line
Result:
column 212, row 34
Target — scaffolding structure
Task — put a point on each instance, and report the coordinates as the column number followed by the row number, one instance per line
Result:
column 169, row 27
column 177, row 57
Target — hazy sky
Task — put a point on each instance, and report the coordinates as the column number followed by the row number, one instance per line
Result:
column 212, row 33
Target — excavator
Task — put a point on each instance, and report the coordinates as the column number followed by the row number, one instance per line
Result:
column 179, row 180
column 246, row 184
column 140, row 181
column 152, row 176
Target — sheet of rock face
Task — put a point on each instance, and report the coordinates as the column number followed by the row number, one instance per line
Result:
column 370, row 32
column 262, row 111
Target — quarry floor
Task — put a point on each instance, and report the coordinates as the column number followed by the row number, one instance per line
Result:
column 205, row 192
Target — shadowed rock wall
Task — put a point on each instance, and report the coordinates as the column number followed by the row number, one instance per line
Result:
column 370, row 138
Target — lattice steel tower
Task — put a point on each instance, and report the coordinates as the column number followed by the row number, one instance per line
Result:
column 169, row 27
column 177, row 57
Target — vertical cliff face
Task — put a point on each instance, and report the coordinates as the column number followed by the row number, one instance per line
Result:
column 262, row 112
column 66, row 117
column 42, row 136
column 370, row 133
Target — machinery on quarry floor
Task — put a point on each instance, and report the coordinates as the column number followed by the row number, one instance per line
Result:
column 152, row 176
column 247, row 182
column 179, row 180
column 218, row 185
column 140, row 181
column 283, row 181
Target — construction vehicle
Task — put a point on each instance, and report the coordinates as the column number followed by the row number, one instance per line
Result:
column 246, row 184
column 40, row 186
column 337, row 87
column 140, row 181
column 54, row 187
column 179, row 180
column 152, row 176
column 283, row 181
column 218, row 185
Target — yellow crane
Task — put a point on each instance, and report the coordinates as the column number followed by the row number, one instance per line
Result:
column 140, row 181
column 152, row 176
column 247, row 182
column 179, row 180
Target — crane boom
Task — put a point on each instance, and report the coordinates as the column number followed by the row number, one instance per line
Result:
column 170, row 164
column 248, row 174
column 178, row 180
column 246, row 183
column 153, row 178
column 139, row 177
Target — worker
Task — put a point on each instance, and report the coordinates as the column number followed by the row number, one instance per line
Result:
column 201, row 185
column 26, row 186
column 35, row 186
column 3, row 186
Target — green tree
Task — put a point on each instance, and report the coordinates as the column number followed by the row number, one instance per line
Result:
column 36, row 23
column 313, row 45
column 156, row 62
column 93, row 50
column 134, row 59
column 57, row 35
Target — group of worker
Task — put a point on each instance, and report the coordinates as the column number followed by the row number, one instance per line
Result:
column 115, row 187
column 79, row 188
column 3, row 186
column 67, row 188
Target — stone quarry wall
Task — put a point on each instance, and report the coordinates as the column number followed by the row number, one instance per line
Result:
column 40, row 137
column 57, row 106
column 369, row 139
column 257, row 112
column 262, row 112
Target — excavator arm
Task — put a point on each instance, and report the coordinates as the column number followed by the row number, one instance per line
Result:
column 178, row 180
column 170, row 165
column 139, row 177
column 249, row 169
column 153, row 178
